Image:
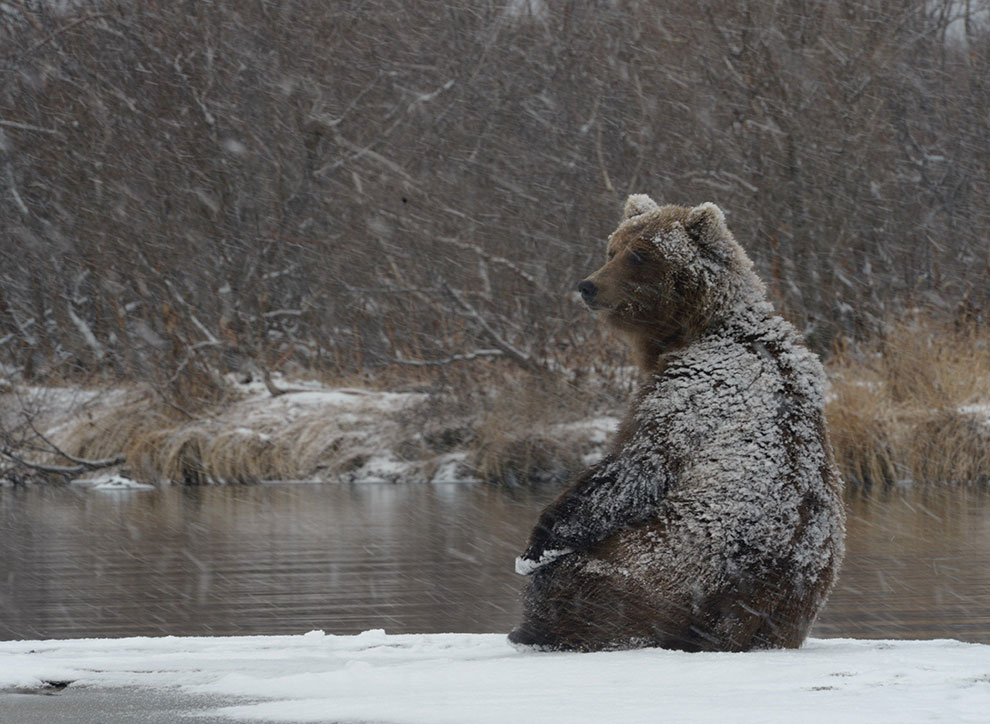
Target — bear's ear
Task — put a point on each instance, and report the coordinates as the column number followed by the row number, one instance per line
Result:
column 706, row 223
column 637, row 205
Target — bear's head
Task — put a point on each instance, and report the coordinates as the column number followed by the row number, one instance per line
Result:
column 671, row 273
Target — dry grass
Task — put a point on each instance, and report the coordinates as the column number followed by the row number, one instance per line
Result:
column 510, row 434
column 107, row 429
column 952, row 446
column 862, row 434
column 513, row 442
column 514, row 432
column 244, row 444
column 914, row 407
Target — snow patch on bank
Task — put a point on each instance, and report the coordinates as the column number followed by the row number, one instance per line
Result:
column 480, row 678
column 979, row 411
column 112, row 483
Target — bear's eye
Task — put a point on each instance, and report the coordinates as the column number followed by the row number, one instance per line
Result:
column 611, row 255
column 636, row 258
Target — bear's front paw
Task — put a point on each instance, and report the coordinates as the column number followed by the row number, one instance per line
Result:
column 526, row 565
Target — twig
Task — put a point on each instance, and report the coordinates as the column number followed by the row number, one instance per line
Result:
column 14, row 193
column 365, row 152
column 30, row 18
column 41, row 43
column 28, row 127
column 509, row 264
column 601, row 159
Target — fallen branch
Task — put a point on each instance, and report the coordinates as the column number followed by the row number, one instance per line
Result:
column 82, row 466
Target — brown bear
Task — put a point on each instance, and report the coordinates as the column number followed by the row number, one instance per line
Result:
column 716, row 521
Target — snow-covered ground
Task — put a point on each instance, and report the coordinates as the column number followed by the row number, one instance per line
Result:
column 480, row 678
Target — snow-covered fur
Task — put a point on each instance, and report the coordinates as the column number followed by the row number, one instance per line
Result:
column 716, row 521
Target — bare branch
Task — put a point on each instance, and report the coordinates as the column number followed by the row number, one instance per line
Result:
column 87, row 333
column 479, row 354
column 507, row 263
column 83, row 466
column 188, row 357
column 517, row 356
column 28, row 127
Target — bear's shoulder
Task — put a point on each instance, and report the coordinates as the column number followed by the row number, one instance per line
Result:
column 754, row 338
column 739, row 372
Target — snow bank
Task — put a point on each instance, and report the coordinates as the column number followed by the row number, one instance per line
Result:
column 112, row 483
column 480, row 678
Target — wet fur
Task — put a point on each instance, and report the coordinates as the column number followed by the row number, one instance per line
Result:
column 674, row 542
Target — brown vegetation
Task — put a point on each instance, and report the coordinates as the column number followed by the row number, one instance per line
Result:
column 521, row 432
column 915, row 406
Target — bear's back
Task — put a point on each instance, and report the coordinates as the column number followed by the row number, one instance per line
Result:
column 739, row 413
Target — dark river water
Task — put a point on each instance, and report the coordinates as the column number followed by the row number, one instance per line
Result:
column 286, row 559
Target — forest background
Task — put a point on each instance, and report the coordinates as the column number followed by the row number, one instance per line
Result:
column 403, row 196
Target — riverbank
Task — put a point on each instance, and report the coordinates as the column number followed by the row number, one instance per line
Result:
column 305, row 431
column 914, row 407
column 420, row 679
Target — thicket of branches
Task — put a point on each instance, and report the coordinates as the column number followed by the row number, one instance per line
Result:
column 191, row 186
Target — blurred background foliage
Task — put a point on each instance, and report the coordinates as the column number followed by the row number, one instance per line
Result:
column 188, row 188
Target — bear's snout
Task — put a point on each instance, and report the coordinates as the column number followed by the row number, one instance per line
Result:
column 588, row 291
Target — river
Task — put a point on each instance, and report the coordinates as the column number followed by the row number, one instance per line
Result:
column 290, row 558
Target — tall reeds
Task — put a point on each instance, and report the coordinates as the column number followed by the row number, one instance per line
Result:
column 915, row 406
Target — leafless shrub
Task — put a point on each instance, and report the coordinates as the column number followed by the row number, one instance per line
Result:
column 193, row 189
